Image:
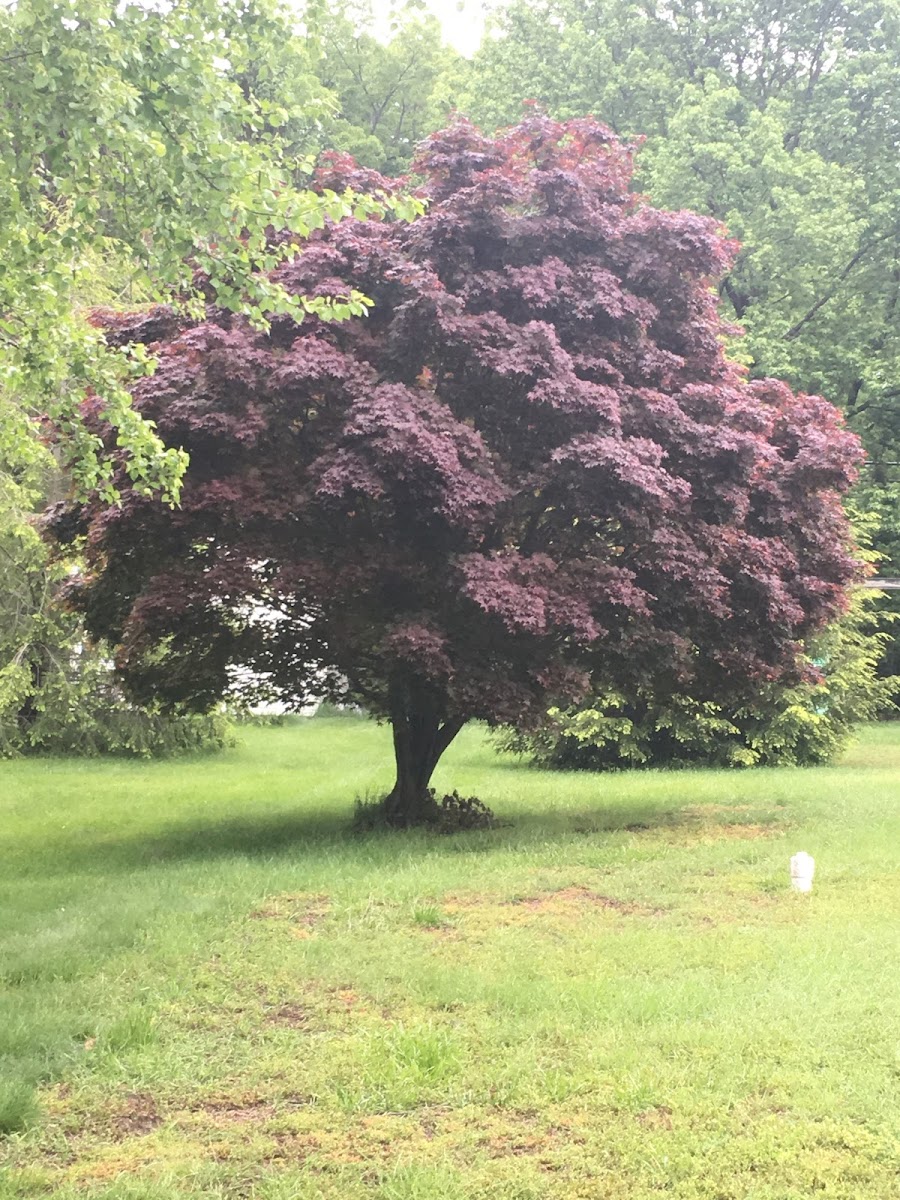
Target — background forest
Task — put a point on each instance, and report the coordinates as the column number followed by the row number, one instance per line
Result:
column 779, row 119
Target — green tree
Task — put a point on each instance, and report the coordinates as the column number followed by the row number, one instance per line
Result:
column 57, row 692
column 801, row 221
column 390, row 93
column 781, row 121
column 132, row 133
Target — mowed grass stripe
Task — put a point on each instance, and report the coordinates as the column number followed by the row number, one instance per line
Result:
column 214, row 989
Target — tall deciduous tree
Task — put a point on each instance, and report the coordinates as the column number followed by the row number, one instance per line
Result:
column 531, row 456
column 391, row 92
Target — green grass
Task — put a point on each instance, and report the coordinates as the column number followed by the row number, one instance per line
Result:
column 212, row 989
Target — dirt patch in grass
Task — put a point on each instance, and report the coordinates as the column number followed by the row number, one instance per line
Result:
column 293, row 1148
column 138, row 1117
column 303, row 911
column 343, row 999
column 522, row 1135
column 575, row 896
column 236, row 1113
column 507, row 1145
column 711, row 810
column 429, row 1120
column 570, row 903
column 247, row 1108
column 376, row 1140
column 293, row 1015
column 657, row 1117
column 312, row 1006
column 702, row 829
column 526, row 1135
column 708, row 823
column 119, row 1119
column 741, row 832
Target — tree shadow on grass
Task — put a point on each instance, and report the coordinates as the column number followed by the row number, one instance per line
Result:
column 320, row 831
column 259, row 836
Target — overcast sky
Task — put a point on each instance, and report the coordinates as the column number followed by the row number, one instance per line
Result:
column 462, row 20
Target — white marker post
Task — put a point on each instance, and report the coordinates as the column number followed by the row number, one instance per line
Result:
column 803, row 867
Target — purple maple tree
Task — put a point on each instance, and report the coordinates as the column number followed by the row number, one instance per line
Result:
column 530, row 461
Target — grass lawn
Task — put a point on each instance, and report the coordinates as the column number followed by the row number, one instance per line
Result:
column 217, row 991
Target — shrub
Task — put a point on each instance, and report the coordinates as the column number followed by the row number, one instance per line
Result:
column 782, row 726
column 448, row 814
column 80, row 709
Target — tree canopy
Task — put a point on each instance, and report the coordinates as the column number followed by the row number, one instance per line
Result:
column 532, row 455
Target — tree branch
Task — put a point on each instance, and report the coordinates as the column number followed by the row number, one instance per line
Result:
column 796, row 330
column 19, row 55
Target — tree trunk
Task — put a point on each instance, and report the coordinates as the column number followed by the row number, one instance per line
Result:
column 29, row 712
column 420, row 738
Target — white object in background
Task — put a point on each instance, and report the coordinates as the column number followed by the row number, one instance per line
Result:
column 803, row 867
